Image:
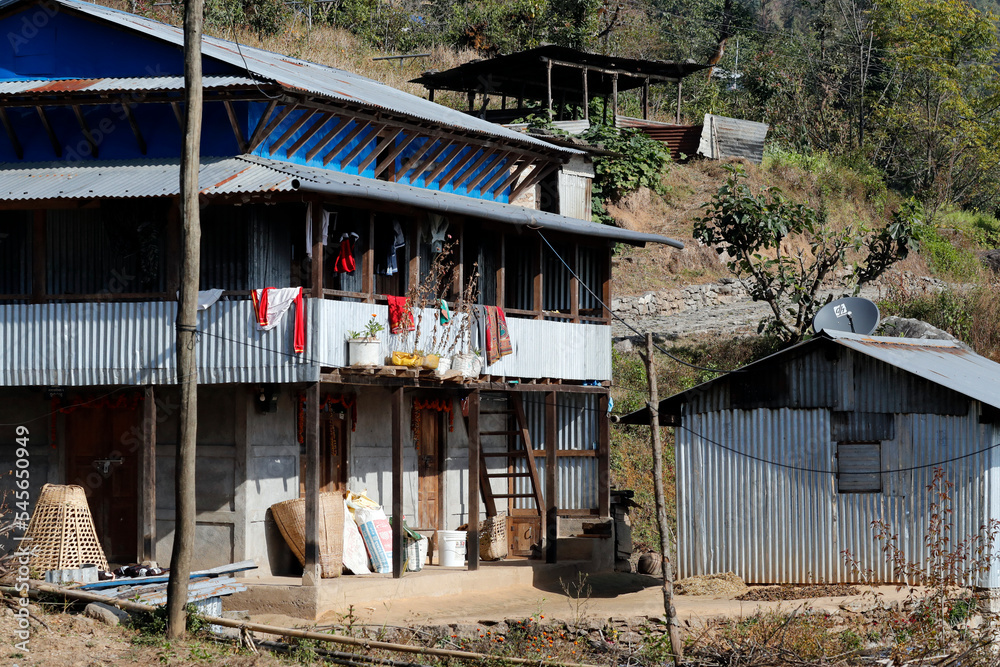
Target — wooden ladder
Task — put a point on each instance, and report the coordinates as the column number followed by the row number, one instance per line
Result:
column 518, row 447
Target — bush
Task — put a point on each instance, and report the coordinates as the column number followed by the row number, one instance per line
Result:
column 947, row 259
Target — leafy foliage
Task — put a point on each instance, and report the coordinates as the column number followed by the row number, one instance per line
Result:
column 752, row 229
column 639, row 162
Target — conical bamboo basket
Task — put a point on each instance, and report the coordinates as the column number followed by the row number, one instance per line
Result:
column 61, row 533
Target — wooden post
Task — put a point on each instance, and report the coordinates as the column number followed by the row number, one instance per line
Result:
column 368, row 262
column 501, row 273
column 645, row 99
column 317, row 249
column 677, row 648
column 472, row 540
column 147, row 468
column 603, row 458
column 38, row 271
column 678, row 118
column 548, row 87
column 551, row 478
column 586, row 97
column 614, row 100
column 574, row 283
column 396, row 411
column 312, row 572
column 186, row 326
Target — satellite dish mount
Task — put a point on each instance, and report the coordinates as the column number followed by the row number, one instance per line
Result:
column 852, row 314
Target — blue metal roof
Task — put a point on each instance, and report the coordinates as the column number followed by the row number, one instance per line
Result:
column 303, row 75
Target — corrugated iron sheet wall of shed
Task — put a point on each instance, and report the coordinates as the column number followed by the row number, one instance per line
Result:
column 756, row 493
column 576, row 424
column 555, row 279
column 867, row 390
column 574, row 195
column 589, row 268
column 519, row 272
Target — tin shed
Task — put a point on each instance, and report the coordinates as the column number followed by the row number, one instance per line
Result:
column 782, row 466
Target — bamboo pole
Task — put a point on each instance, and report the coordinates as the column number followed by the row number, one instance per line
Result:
column 673, row 628
column 138, row 607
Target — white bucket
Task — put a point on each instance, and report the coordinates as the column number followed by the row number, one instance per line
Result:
column 364, row 351
column 451, row 547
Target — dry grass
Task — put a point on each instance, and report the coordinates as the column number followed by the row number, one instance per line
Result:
column 725, row 584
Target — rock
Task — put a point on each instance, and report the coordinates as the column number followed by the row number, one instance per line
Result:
column 105, row 613
column 904, row 327
column 624, row 346
column 860, row 605
column 630, row 637
column 991, row 260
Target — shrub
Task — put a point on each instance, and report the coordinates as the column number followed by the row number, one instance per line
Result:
column 946, row 258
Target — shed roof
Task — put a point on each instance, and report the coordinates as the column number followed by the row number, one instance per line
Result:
column 942, row 362
column 129, row 179
column 295, row 74
column 525, row 72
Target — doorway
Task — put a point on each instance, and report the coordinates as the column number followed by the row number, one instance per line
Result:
column 99, row 459
column 430, row 480
column 332, row 454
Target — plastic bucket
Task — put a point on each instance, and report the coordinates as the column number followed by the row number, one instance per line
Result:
column 451, row 547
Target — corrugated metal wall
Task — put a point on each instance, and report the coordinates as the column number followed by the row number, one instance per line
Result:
column 576, row 419
column 15, row 252
column 739, row 511
column 82, row 344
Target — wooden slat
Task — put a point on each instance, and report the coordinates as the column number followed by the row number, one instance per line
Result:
column 510, row 180
column 178, row 116
column 307, row 135
column 11, row 134
column 363, row 144
column 388, row 159
column 380, row 146
column 312, row 571
column 531, row 180
column 499, row 162
column 325, row 139
column 440, row 167
column 293, row 128
column 425, row 164
column 234, row 123
column 574, row 283
column 56, row 147
column 87, row 134
column 317, row 249
column 348, row 138
column 603, row 458
column 415, row 158
column 460, row 164
column 147, row 481
column 471, row 171
column 522, row 423
column 264, row 127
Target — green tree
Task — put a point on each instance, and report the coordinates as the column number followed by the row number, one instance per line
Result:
column 756, row 231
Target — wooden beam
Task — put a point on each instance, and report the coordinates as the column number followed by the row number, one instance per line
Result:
column 548, row 87
column 38, row 266
column 396, row 411
column 234, row 122
column 614, row 98
column 606, row 282
column 415, row 158
column 574, row 283
column 501, row 274
column 645, row 99
column 551, row 478
column 510, row 180
column 14, row 142
column 478, row 178
column 134, row 124
column 388, row 159
column 469, row 172
column 307, row 135
column 498, row 174
column 380, row 146
column 472, row 541
column 586, row 96
column 56, row 147
column 325, row 139
column 178, row 114
column 348, row 138
column 147, row 479
column 537, row 291
column 264, row 127
column 677, row 119
column 312, row 571
column 460, row 162
column 368, row 262
column 439, row 168
column 362, row 144
column 317, row 249
column 532, row 179
column 85, row 129
column 295, row 127
column 603, row 458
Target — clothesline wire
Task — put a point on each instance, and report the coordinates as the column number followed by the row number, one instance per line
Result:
column 620, row 319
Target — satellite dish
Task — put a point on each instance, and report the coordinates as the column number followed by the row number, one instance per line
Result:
column 852, row 314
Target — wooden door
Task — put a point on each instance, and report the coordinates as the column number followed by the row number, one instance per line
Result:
column 332, row 455
column 98, row 459
column 430, row 456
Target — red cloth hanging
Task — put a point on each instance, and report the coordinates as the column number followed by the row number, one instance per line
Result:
column 261, row 308
column 400, row 316
column 345, row 260
column 299, row 337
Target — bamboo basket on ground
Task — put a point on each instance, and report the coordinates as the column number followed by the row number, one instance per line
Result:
column 493, row 537
column 61, row 533
column 290, row 516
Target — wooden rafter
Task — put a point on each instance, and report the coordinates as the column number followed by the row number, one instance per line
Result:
column 53, row 139
column 440, row 167
column 87, row 134
column 295, row 127
column 14, row 142
column 486, row 171
column 176, row 106
column 460, row 163
column 263, row 131
column 500, row 173
column 471, row 171
column 379, row 149
column 424, row 165
column 337, row 128
column 135, row 127
column 510, row 180
column 415, row 158
column 234, row 122
column 388, row 159
column 531, row 180
column 307, row 135
column 361, row 146
column 335, row 151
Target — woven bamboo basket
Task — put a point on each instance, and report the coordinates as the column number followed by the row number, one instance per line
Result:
column 61, row 531
column 290, row 516
column 493, row 537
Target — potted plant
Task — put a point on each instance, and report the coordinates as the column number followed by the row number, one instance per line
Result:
column 363, row 347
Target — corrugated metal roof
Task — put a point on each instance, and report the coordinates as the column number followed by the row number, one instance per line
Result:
column 723, row 137
column 311, row 77
column 128, row 84
column 123, row 179
column 944, row 363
